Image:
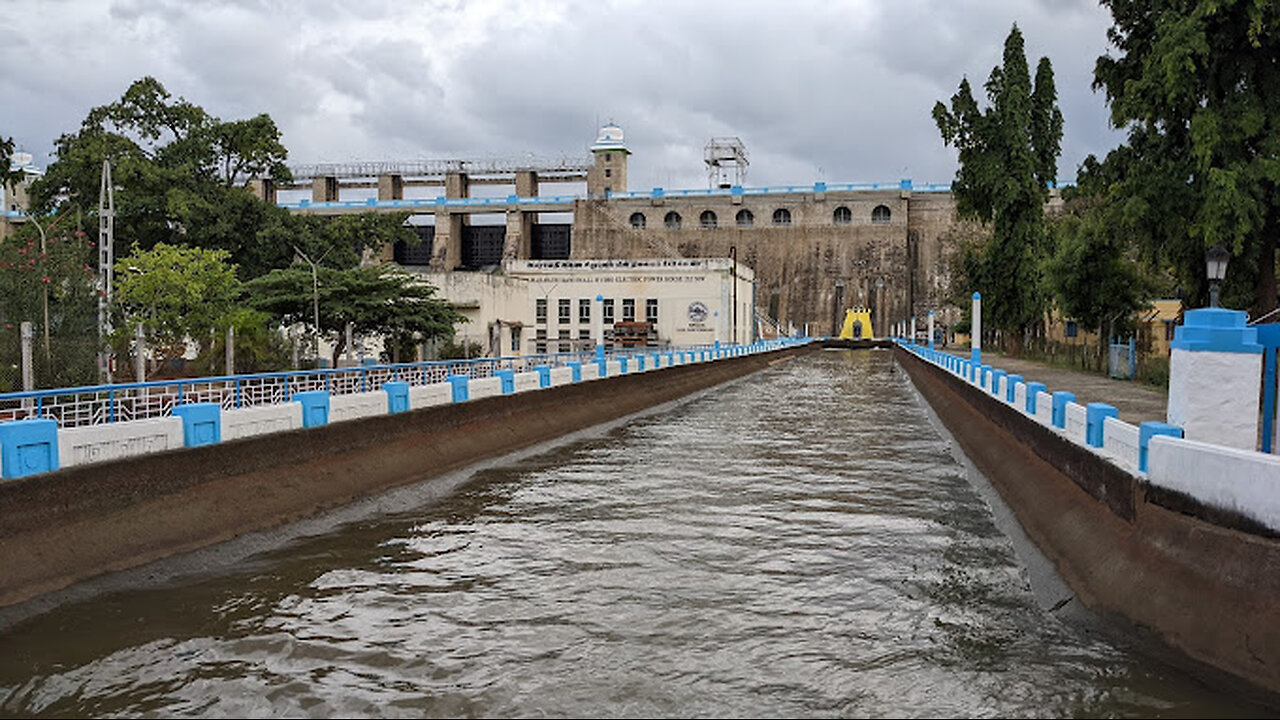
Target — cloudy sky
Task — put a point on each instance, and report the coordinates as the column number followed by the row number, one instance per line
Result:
column 818, row 90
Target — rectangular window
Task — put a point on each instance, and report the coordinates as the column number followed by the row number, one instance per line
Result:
column 651, row 310
column 540, row 336
column 584, row 334
column 608, row 172
column 629, row 310
column 608, row 312
column 584, row 311
column 515, row 339
column 565, row 345
column 540, row 347
column 565, row 308
column 540, row 311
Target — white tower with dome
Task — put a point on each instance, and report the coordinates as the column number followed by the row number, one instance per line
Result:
column 609, row 174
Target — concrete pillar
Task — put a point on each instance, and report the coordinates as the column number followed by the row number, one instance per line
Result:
column 930, row 329
column 28, row 367
column 975, row 330
column 456, row 185
column 140, row 354
column 1215, row 371
column 913, row 328
column 526, row 183
column 597, row 326
column 390, row 187
column 324, row 189
column 446, row 251
column 519, row 234
column 231, row 350
column 264, row 189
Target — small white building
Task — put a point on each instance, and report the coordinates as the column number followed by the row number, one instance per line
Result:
column 534, row 306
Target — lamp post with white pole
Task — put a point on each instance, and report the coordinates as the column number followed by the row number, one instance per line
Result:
column 315, row 295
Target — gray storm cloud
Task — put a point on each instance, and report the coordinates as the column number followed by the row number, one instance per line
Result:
column 833, row 91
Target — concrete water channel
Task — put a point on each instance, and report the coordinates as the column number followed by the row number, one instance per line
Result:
column 803, row 541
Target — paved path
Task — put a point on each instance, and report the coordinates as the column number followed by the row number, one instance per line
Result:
column 1135, row 402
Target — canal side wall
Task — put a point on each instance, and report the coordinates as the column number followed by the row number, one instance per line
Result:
column 62, row 527
column 1196, row 572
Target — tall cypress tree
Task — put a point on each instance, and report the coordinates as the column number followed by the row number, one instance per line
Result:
column 1008, row 156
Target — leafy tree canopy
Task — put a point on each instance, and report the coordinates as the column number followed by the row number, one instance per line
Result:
column 1008, row 157
column 376, row 299
column 1197, row 85
column 178, row 293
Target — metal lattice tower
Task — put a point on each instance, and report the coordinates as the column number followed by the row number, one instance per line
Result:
column 106, row 258
column 727, row 162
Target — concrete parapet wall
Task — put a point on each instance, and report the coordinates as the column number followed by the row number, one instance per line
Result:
column 99, row 443
column 528, row 381
column 563, row 376
column 1077, row 423
column 1044, row 408
column 1120, row 441
column 485, row 387
column 357, row 405
column 65, row 526
column 1237, row 481
column 425, row 396
column 247, row 422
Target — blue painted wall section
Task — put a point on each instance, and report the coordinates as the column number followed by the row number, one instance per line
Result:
column 28, row 447
column 315, row 407
column 544, row 375
column 1032, row 389
column 1011, row 391
column 461, row 387
column 995, row 380
column 201, row 423
column 508, row 381
column 397, row 396
column 1216, row 330
column 1095, row 415
column 576, row 369
column 1148, row 430
column 1269, row 338
column 1060, row 400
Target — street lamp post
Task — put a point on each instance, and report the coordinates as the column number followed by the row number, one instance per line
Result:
column 44, row 261
column 1215, row 261
column 315, row 295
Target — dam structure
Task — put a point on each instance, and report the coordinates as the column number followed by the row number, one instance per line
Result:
column 816, row 249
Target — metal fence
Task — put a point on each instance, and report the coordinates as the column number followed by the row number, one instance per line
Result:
column 1122, row 359
column 101, row 404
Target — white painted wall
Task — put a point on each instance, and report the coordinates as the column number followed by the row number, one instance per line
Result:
column 357, row 405
column 1076, row 418
column 260, row 420
column 1120, row 442
column 1242, row 481
column 562, row 376
column 484, row 387
column 1044, row 408
column 424, row 396
column 97, row 443
column 528, row 381
column 1213, row 396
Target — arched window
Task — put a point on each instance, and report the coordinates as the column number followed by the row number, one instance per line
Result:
column 745, row 218
column 672, row 220
column 637, row 221
column 782, row 216
column 707, row 220
column 842, row 216
column 880, row 215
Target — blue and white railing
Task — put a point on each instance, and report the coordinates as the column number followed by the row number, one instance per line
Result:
column 1156, row 453
column 43, row 430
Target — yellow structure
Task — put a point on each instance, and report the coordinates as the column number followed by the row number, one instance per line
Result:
column 857, row 324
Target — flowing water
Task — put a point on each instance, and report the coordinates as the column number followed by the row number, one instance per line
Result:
column 796, row 543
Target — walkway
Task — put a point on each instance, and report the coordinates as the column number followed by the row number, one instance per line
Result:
column 1134, row 401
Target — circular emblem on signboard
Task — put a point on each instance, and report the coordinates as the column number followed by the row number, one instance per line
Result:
column 697, row 312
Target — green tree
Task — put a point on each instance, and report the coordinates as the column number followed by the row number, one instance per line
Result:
column 180, row 294
column 1197, row 85
column 174, row 167
column 1090, row 274
column 9, row 175
column 1008, row 158
column 376, row 299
